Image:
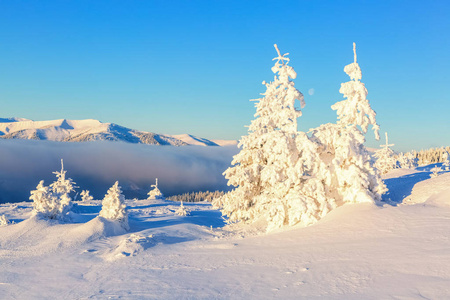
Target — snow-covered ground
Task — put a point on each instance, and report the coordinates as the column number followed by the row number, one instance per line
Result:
column 398, row 250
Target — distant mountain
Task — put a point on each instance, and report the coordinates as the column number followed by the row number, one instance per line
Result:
column 64, row 130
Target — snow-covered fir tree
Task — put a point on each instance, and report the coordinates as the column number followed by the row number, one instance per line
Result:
column 385, row 157
column 273, row 174
column 85, row 196
column 4, row 220
column 406, row 160
column 347, row 169
column 155, row 193
column 53, row 202
column 114, row 207
column 446, row 161
column 182, row 211
column 197, row 196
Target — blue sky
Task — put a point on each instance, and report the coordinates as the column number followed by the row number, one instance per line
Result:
column 192, row 66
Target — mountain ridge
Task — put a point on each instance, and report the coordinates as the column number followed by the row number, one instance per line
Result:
column 66, row 130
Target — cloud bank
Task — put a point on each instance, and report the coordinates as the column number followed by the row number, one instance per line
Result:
column 97, row 165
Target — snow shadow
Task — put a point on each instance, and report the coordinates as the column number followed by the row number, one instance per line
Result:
column 401, row 187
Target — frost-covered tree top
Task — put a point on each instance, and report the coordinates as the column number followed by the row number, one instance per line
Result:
column 277, row 108
column 355, row 110
column 114, row 207
column 62, row 185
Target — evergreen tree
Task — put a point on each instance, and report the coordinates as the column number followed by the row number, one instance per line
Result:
column 114, row 207
column 273, row 172
column 182, row 211
column 347, row 169
column 53, row 202
column 85, row 196
column 446, row 160
column 385, row 158
column 155, row 193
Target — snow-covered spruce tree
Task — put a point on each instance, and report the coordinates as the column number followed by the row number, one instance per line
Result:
column 347, row 168
column 182, row 211
column 155, row 193
column 406, row 160
column 114, row 207
column 385, row 158
column 85, row 196
column 446, row 160
column 53, row 202
column 273, row 174
column 4, row 220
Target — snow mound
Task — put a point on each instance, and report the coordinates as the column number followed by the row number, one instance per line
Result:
column 441, row 199
column 36, row 236
column 130, row 246
column 434, row 191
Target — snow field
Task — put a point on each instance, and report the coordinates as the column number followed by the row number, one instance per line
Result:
column 359, row 251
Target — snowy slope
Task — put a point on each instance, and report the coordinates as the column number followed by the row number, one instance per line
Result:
column 359, row 251
column 64, row 130
column 226, row 142
column 193, row 140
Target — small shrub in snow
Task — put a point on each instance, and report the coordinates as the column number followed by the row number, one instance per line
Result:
column 114, row 207
column 435, row 171
column 155, row 193
column 3, row 220
column 182, row 211
column 85, row 196
column 53, row 202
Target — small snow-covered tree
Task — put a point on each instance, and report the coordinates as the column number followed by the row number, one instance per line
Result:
column 53, row 202
column 182, row 211
column 406, row 160
column 114, row 207
column 85, row 196
column 3, row 220
column 155, row 193
column 446, row 160
column 385, row 157
column 347, row 169
column 435, row 171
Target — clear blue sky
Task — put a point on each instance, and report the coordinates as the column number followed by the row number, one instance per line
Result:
column 191, row 66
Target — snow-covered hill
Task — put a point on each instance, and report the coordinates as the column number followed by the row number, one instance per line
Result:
column 64, row 130
column 360, row 251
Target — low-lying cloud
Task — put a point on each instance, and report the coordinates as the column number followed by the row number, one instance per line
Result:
column 95, row 166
